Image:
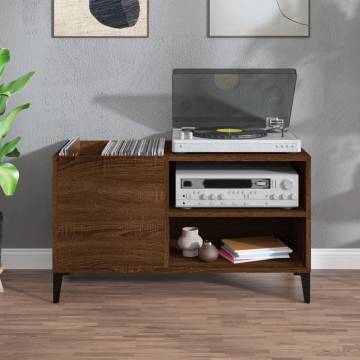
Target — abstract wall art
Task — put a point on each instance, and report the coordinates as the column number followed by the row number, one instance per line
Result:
column 101, row 18
column 259, row 18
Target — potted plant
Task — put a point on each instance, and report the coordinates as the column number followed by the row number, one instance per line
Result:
column 9, row 174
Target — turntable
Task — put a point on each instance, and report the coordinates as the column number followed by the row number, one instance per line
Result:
column 242, row 110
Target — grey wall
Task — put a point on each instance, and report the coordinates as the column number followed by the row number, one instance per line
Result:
column 106, row 88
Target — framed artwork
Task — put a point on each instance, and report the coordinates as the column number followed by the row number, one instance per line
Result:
column 259, row 18
column 101, row 18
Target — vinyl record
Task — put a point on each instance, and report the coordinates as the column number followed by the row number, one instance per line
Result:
column 229, row 133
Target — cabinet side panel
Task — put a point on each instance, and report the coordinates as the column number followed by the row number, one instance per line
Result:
column 308, row 212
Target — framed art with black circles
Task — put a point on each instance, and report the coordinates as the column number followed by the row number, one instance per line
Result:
column 101, row 18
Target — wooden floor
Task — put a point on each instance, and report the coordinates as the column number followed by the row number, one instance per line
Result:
column 160, row 316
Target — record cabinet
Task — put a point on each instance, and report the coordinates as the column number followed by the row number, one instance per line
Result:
column 117, row 214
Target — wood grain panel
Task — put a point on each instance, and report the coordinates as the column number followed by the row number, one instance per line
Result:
column 118, row 188
column 302, row 156
column 110, row 214
column 109, row 247
column 237, row 213
column 178, row 263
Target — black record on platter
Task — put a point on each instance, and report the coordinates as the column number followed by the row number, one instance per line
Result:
column 229, row 133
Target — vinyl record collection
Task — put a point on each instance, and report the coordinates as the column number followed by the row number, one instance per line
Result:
column 133, row 147
column 64, row 151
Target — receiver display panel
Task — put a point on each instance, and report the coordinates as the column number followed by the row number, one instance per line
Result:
column 226, row 183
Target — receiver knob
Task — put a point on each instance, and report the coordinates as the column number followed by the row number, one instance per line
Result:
column 202, row 197
column 273, row 197
column 221, row 197
column 189, row 135
column 212, row 197
column 283, row 197
column 286, row 184
column 292, row 197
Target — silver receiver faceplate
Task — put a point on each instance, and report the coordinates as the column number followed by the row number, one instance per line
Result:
column 236, row 185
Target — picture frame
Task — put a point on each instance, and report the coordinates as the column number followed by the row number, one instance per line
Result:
column 259, row 18
column 91, row 19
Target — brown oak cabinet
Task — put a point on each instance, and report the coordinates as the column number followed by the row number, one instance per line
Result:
column 117, row 214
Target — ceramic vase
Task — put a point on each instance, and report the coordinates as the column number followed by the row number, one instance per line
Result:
column 208, row 252
column 190, row 242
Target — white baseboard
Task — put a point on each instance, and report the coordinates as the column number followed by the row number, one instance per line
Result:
column 27, row 259
column 40, row 259
column 346, row 259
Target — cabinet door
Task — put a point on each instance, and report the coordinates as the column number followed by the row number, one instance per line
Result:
column 110, row 214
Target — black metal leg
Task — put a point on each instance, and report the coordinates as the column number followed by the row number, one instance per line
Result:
column 305, row 280
column 297, row 274
column 57, row 280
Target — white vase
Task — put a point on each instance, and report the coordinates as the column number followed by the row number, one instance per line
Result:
column 190, row 241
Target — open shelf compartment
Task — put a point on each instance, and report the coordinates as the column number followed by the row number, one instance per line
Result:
column 291, row 231
column 298, row 163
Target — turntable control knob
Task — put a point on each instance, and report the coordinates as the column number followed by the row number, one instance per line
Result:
column 286, row 184
column 212, row 197
column 186, row 135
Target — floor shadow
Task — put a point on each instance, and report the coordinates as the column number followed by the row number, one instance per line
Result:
column 11, row 284
column 281, row 286
column 27, row 293
column 247, row 282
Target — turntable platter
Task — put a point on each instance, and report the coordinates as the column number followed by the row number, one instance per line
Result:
column 229, row 133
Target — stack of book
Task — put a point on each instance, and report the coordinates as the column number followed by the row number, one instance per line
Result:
column 250, row 249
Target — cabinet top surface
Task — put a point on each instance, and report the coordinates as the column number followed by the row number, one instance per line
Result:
column 302, row 156
column 94, row 148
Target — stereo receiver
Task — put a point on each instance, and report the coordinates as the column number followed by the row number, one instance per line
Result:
column 236, row 185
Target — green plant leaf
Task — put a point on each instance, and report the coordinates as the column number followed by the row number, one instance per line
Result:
column 9, row 147
column 9, row 177
column 4, row 59
column 5, row 124
column 4, row 98
column 14, row 154
column 16, row 85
